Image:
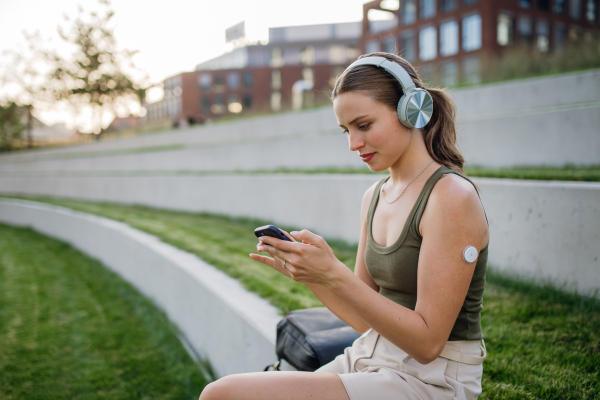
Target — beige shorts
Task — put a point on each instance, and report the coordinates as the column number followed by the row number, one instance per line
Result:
column 374, row 368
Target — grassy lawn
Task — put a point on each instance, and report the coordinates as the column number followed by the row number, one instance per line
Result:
column 543, row 343
column 590, row 173
column 71, row 329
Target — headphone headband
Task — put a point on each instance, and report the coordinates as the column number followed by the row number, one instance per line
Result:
column 393, row 68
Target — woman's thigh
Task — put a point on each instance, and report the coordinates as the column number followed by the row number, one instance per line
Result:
column 280, row 385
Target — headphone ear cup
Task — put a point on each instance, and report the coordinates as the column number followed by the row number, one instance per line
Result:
column 402, row 111
column 417, row 108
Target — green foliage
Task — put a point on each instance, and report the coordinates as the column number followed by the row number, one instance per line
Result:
column 589, row 173
column 96, row 75
column 70, row 328
column 11, row 126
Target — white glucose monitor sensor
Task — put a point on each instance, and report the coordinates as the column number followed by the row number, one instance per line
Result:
column 470, row 254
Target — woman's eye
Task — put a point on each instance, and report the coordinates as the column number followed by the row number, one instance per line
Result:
column 364, row 127
column 345, row 131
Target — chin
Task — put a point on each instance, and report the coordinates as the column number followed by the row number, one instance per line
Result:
column 376, row 168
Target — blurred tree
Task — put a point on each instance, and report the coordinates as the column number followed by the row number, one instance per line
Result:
column 11, row 125
column 96, row 76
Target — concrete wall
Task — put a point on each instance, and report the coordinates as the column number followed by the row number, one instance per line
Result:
column 232, row 328
column 550, row 120
column 539, row 229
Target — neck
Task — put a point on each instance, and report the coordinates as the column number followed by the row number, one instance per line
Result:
column 412, row 161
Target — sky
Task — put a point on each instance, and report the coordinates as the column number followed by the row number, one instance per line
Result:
column 171, row 36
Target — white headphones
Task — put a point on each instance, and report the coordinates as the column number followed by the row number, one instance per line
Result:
column 416, row 105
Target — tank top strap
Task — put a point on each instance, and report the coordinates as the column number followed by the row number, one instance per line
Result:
column 428, row 188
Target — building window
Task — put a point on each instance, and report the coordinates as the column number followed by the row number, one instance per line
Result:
column 427, row 43
column 472, row 70
column 560, row 6
column 449, row 38
column 276, row 57
column 337, row 54
column 427, row 8
column 407, row 43
column 247, row 101
column 233, row 80
column 307, row 55
column 504, row 33
column 447, row 5
column 469, row 2
column 471, row 32
column 205, row 103
column 205, row 80
column 590, row 10
column 219, row 80
column 449, row 74
column 525, row 3
column 276, row 79
column 543, row 5
column 308, row 75
column 233, row 104
column 543, row 36
column 276, row 101
column 217, row 107
column 248, row 79
column 560, row 36
column 408, row 11
column 373, row 46
column 389, row 44
column 525, row 30
column 575, row 9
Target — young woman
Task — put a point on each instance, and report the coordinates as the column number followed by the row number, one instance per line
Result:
column 417, row 289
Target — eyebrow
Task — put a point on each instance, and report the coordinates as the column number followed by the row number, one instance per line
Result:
column 356, row 119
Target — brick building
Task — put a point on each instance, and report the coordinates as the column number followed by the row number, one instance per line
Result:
column 447, row 39
column 295, row 69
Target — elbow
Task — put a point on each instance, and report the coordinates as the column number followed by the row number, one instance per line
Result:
column 429, row 354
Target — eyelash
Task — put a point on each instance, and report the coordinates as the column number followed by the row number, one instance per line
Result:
column 363, row 127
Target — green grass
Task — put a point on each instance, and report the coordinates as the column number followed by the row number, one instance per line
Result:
column 71, row 329
column 589, row 173
column 543, row 342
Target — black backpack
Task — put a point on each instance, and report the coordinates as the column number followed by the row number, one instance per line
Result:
column 308, row 339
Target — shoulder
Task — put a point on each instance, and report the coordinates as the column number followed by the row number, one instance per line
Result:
column 453, row 191
column 454, row 202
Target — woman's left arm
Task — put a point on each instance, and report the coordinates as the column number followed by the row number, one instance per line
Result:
column 453, row 220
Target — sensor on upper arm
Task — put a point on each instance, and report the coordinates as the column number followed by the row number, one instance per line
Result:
column 469, row 254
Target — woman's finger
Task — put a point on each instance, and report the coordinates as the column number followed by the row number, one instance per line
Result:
column 307, row 236
column 280, row 244
column 263, row 259
column 274, row 263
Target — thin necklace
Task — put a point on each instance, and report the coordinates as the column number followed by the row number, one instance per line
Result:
column 390, row 202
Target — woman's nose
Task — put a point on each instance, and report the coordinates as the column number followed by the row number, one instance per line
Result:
column 355, row 141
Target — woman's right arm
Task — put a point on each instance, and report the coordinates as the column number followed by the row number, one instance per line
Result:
column 333, row 302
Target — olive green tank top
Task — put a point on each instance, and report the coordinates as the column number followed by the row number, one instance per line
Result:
column 394, row 268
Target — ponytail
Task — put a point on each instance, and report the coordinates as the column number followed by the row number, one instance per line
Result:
column 440, row 133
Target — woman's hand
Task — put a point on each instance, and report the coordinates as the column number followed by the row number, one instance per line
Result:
column 311, row 261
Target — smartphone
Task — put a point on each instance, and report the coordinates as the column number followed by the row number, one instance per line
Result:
column 271, row 230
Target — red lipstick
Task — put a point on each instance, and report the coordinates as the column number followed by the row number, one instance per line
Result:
column 367, row 157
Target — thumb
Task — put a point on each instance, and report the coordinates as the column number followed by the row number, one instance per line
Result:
column 306, row 236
